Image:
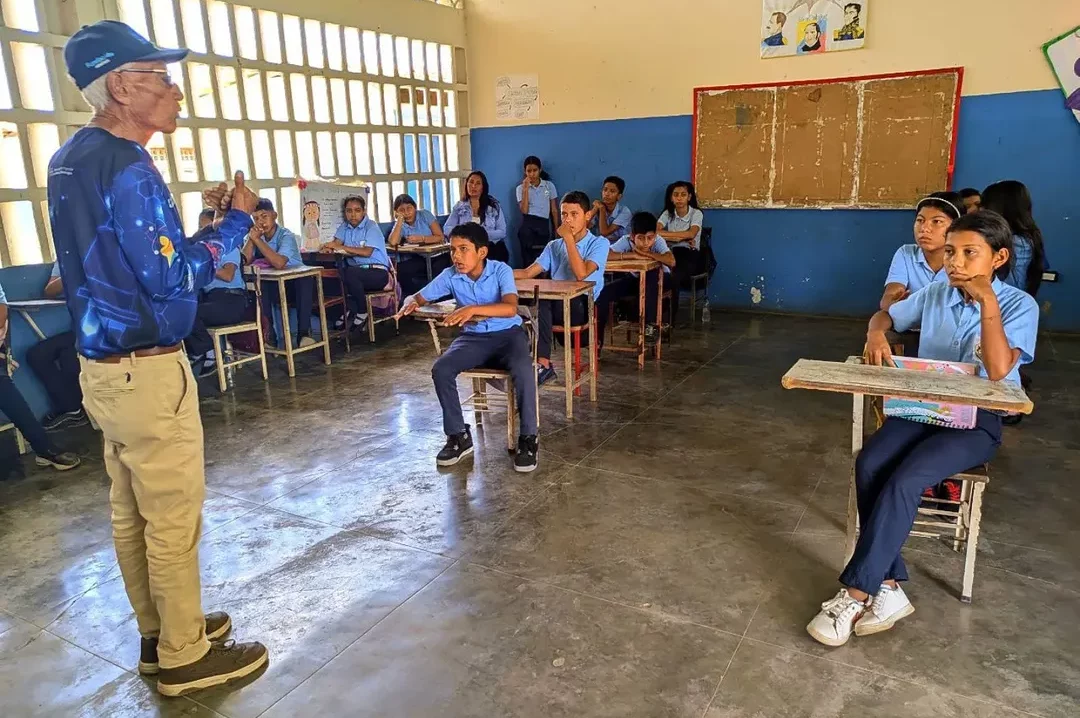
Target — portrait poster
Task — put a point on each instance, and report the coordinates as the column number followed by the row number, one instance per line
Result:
column 320, row 204
column 1063, row 54
column 811, row 27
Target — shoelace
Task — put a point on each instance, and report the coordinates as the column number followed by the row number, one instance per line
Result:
column 841, row 608
column 878, row 605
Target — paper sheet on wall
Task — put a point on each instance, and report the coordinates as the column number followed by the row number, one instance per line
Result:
column 517, row 97
column 1063, row 54
column 321, row 209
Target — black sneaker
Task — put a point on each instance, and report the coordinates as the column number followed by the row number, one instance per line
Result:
column 61, row 460
column 651, row 333
column 458, row 446
column 340, row 323
column 224, row 662
column 207, row 368
column 52, row 422
column 527, row 452
column 218, row 625
column 544, row 374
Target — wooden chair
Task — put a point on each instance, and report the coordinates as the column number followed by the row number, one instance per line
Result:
column 20, row 441
column 391, row 294
column 575, row 332
column 703, row 277
column 340, row 300
column 480, row 400
column 230, row 357
column 631, row 326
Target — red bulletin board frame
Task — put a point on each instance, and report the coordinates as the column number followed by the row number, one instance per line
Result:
column 959, row 71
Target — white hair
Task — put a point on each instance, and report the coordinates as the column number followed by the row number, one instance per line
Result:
column 97, row 93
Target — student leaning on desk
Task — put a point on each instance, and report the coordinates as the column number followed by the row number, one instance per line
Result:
column 974, row 318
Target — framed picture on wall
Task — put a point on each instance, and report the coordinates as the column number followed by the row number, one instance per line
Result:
column 1063, row 54
column 811, row 27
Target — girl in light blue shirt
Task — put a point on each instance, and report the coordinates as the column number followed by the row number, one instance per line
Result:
column 916, row 265
column 974, row 318
column 477, row 205
column 367, row 266
column 415, row 226
column 538, row 201
column 1012, row 201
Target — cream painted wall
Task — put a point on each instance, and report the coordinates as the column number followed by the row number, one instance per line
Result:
column 613, row 59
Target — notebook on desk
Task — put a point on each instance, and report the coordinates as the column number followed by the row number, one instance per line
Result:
column 955, row 416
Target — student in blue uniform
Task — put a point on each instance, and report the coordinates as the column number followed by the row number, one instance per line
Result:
column 222, row 302
column 55, row 362
column 916, row 265
column 972, row 199
column 611, row 217
column 976, row 318
column 367, row 266
column 643, row 242
column 1012, row 201
column 477, row 205
column 680, row 226
column 279, row 247
column 491, row 336
column 538, row 201
column 577, row 255
column 412, row 226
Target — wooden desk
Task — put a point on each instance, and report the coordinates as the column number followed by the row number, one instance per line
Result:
column 434, row 314
column 284, row 275
column 641, row 265
column 863, row 381
column 427, row 251
column 25, row 307
column 564, row 291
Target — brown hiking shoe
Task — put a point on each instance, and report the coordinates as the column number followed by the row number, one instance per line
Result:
column 224, row 662
column 218, row 625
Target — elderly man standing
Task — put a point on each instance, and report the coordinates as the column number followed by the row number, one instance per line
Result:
column 132, row 289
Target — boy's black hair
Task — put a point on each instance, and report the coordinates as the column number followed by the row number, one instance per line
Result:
column 1012, row 200
column 403, row 199
column 948, row 202
column 579, row 198
column 642, row 223
column 353, row 198
column 969, row 192
column 534, row 160
column 207, row 213
column 471, row 231
column 619, row 182
column 994, row 229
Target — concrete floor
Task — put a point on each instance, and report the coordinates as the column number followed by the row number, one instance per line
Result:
column 663, row 561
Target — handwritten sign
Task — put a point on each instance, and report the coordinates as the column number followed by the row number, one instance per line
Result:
column 517, row 97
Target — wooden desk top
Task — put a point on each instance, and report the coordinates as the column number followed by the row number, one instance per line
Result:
column 553, row 288
column 435, row 312
column 421, row 248
column 852, row 378
column 287, row 273
column 35, row 303
column 631, row 263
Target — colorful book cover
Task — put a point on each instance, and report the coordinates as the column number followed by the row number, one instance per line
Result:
column 956, row 416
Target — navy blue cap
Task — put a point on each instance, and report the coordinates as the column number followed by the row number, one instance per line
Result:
column 98, row 49
column 264, row 205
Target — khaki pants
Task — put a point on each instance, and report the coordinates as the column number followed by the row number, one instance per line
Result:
column 148, row 411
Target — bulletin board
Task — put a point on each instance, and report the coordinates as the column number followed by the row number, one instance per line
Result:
column 875, row 142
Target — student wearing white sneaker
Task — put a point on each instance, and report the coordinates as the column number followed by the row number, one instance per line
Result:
column 974, row 318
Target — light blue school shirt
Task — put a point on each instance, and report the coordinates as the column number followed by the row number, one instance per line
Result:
column 620, row 216
column 951, row 327
column 421, row 225
column 284, row 243
column 495, row 282
column 55, row 273
column 624, row 245
column 1022, row 250
column 910, row 268
column 540, row 198
column 555, row 262
column 365, row 234
column 237, row 282
column 3, row 297
column 494, row 222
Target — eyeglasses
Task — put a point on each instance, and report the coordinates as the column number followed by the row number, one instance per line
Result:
column 163, row 73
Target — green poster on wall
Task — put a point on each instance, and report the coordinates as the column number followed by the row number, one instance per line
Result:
column 1063, row 54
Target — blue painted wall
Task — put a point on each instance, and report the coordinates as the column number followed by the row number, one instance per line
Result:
column 815, row 261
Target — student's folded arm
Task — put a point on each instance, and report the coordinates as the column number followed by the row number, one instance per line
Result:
column 1018, row 328
column 437, row 235
column 226, row 272
column 395, row 233
column 54, row 288
column 523, row 200
column 665, row 258
column 906, row 313
column 276, row 259
column 578, row 264
column 533, row 271
column 359, row 251
column 498, row 232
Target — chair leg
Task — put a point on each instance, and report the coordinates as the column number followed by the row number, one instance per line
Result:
column 511, row 415
column 962, row 519
column 370, row 320
column 479, row 395
column 974, row 520
column 219, row 364
column 693, row 299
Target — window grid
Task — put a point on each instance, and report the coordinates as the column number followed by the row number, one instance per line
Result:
column 345, row 76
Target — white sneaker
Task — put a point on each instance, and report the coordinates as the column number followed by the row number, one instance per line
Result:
column 889, row 606
column 306, row 342
column 833, row 625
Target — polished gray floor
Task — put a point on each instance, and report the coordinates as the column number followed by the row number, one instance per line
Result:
column 663, row 561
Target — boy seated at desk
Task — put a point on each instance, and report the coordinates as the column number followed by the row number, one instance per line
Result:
column 55, row 363
column 974, row 318
column 642, row 241
column 271, row 245
column 577, row 255
column 612, row 218
column 222, row 302
column 492, row 336
column 18, row 412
